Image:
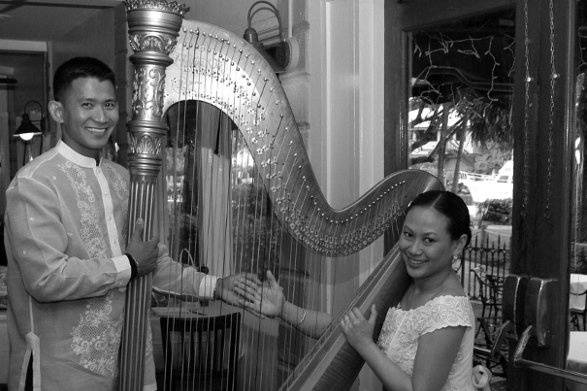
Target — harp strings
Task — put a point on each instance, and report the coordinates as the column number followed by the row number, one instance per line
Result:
column 254, row 239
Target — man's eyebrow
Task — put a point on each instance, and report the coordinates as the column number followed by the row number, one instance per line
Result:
column 85, row 98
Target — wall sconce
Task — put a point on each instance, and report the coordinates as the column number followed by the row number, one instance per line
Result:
column 27, row 130
column 280, row 55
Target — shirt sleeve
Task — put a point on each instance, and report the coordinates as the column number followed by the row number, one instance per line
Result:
column 40, row 246
column 447, row 311
column 122, row 265
column 181, row 279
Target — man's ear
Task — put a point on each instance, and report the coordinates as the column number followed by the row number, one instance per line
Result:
column 56, row 111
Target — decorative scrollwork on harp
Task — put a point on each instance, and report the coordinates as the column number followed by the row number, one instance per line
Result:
column 153, row 29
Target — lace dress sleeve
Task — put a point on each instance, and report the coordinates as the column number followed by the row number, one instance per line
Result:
column 446, row 311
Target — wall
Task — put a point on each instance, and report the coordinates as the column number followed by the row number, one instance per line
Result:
column 27, row 68
column 95, row 37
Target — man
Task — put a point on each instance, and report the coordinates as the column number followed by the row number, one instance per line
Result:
column 65, row 239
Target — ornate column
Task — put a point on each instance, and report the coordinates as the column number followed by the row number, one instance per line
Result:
column 153, row 29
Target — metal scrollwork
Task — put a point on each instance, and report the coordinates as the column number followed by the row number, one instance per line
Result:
column 153, row 42
column 153, row 27
column 148, row 89
column 159, row 5
column 146, row 144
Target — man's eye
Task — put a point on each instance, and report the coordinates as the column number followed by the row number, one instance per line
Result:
column 110, row 105
column 87, row 105
column 429, row 240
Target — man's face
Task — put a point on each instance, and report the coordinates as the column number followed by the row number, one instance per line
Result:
column 88, row 113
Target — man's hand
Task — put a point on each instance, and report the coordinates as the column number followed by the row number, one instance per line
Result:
column 267, row 299
column 145, row 254
column 225, row 287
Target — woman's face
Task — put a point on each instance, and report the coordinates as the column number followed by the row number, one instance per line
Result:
column 425, row 243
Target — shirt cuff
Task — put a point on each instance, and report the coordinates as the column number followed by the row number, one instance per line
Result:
column 122, row 265
column 207, row 286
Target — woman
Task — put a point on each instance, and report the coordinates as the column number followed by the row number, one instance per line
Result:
column 426, row 342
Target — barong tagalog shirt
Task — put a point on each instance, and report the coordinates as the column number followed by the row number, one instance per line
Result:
column 65, row 235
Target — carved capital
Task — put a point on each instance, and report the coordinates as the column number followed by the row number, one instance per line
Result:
column 143, row 41
column 145, row 144
column 157, row 5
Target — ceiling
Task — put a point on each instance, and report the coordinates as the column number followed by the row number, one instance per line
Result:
column 44, row 20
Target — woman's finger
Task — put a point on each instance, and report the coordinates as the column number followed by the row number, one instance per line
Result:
column 357, row 313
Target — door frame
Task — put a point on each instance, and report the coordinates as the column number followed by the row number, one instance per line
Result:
column 543, row 126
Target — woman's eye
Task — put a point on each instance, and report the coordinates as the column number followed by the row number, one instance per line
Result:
column 110, row 105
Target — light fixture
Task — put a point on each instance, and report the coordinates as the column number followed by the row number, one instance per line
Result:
column 279, row 54
column 27, row 130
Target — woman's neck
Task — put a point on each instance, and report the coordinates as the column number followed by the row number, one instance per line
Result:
column 428, row 288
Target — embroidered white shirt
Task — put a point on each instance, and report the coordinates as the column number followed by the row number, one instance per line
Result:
column 65, row 234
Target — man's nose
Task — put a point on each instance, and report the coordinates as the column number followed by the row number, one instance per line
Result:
column 100, row 114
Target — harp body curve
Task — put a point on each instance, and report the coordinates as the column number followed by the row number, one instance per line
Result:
column 218, row 67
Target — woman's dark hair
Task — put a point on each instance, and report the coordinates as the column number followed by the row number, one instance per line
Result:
column 450, row 205
column 80, row 67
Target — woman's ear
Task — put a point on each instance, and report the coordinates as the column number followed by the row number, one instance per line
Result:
column 56, row 111
column 461, row 243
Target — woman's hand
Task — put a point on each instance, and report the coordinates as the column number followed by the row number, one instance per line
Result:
column 267, row 299
column 358, row 330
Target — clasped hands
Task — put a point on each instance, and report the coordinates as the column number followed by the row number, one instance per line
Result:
column 265, row 298
column 144, row 255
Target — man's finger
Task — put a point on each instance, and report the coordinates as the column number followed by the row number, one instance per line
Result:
column 249, row 283
column 271, row 278
column 251, row 277
column 249, row 295
column 137, row 235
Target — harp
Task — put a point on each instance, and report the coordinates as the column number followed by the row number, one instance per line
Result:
column 247, row 201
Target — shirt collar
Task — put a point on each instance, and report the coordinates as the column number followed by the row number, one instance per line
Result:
column 74, row 156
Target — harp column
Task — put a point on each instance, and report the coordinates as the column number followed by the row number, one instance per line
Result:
column 153, row 27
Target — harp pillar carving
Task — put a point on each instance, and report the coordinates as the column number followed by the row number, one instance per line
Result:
column 153, row 29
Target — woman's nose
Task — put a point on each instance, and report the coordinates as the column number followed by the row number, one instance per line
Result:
column 415, row 247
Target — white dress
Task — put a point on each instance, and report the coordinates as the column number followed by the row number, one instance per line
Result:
column 402, row 329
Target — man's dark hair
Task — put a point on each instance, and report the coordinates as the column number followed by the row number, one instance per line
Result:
column 80, row 67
